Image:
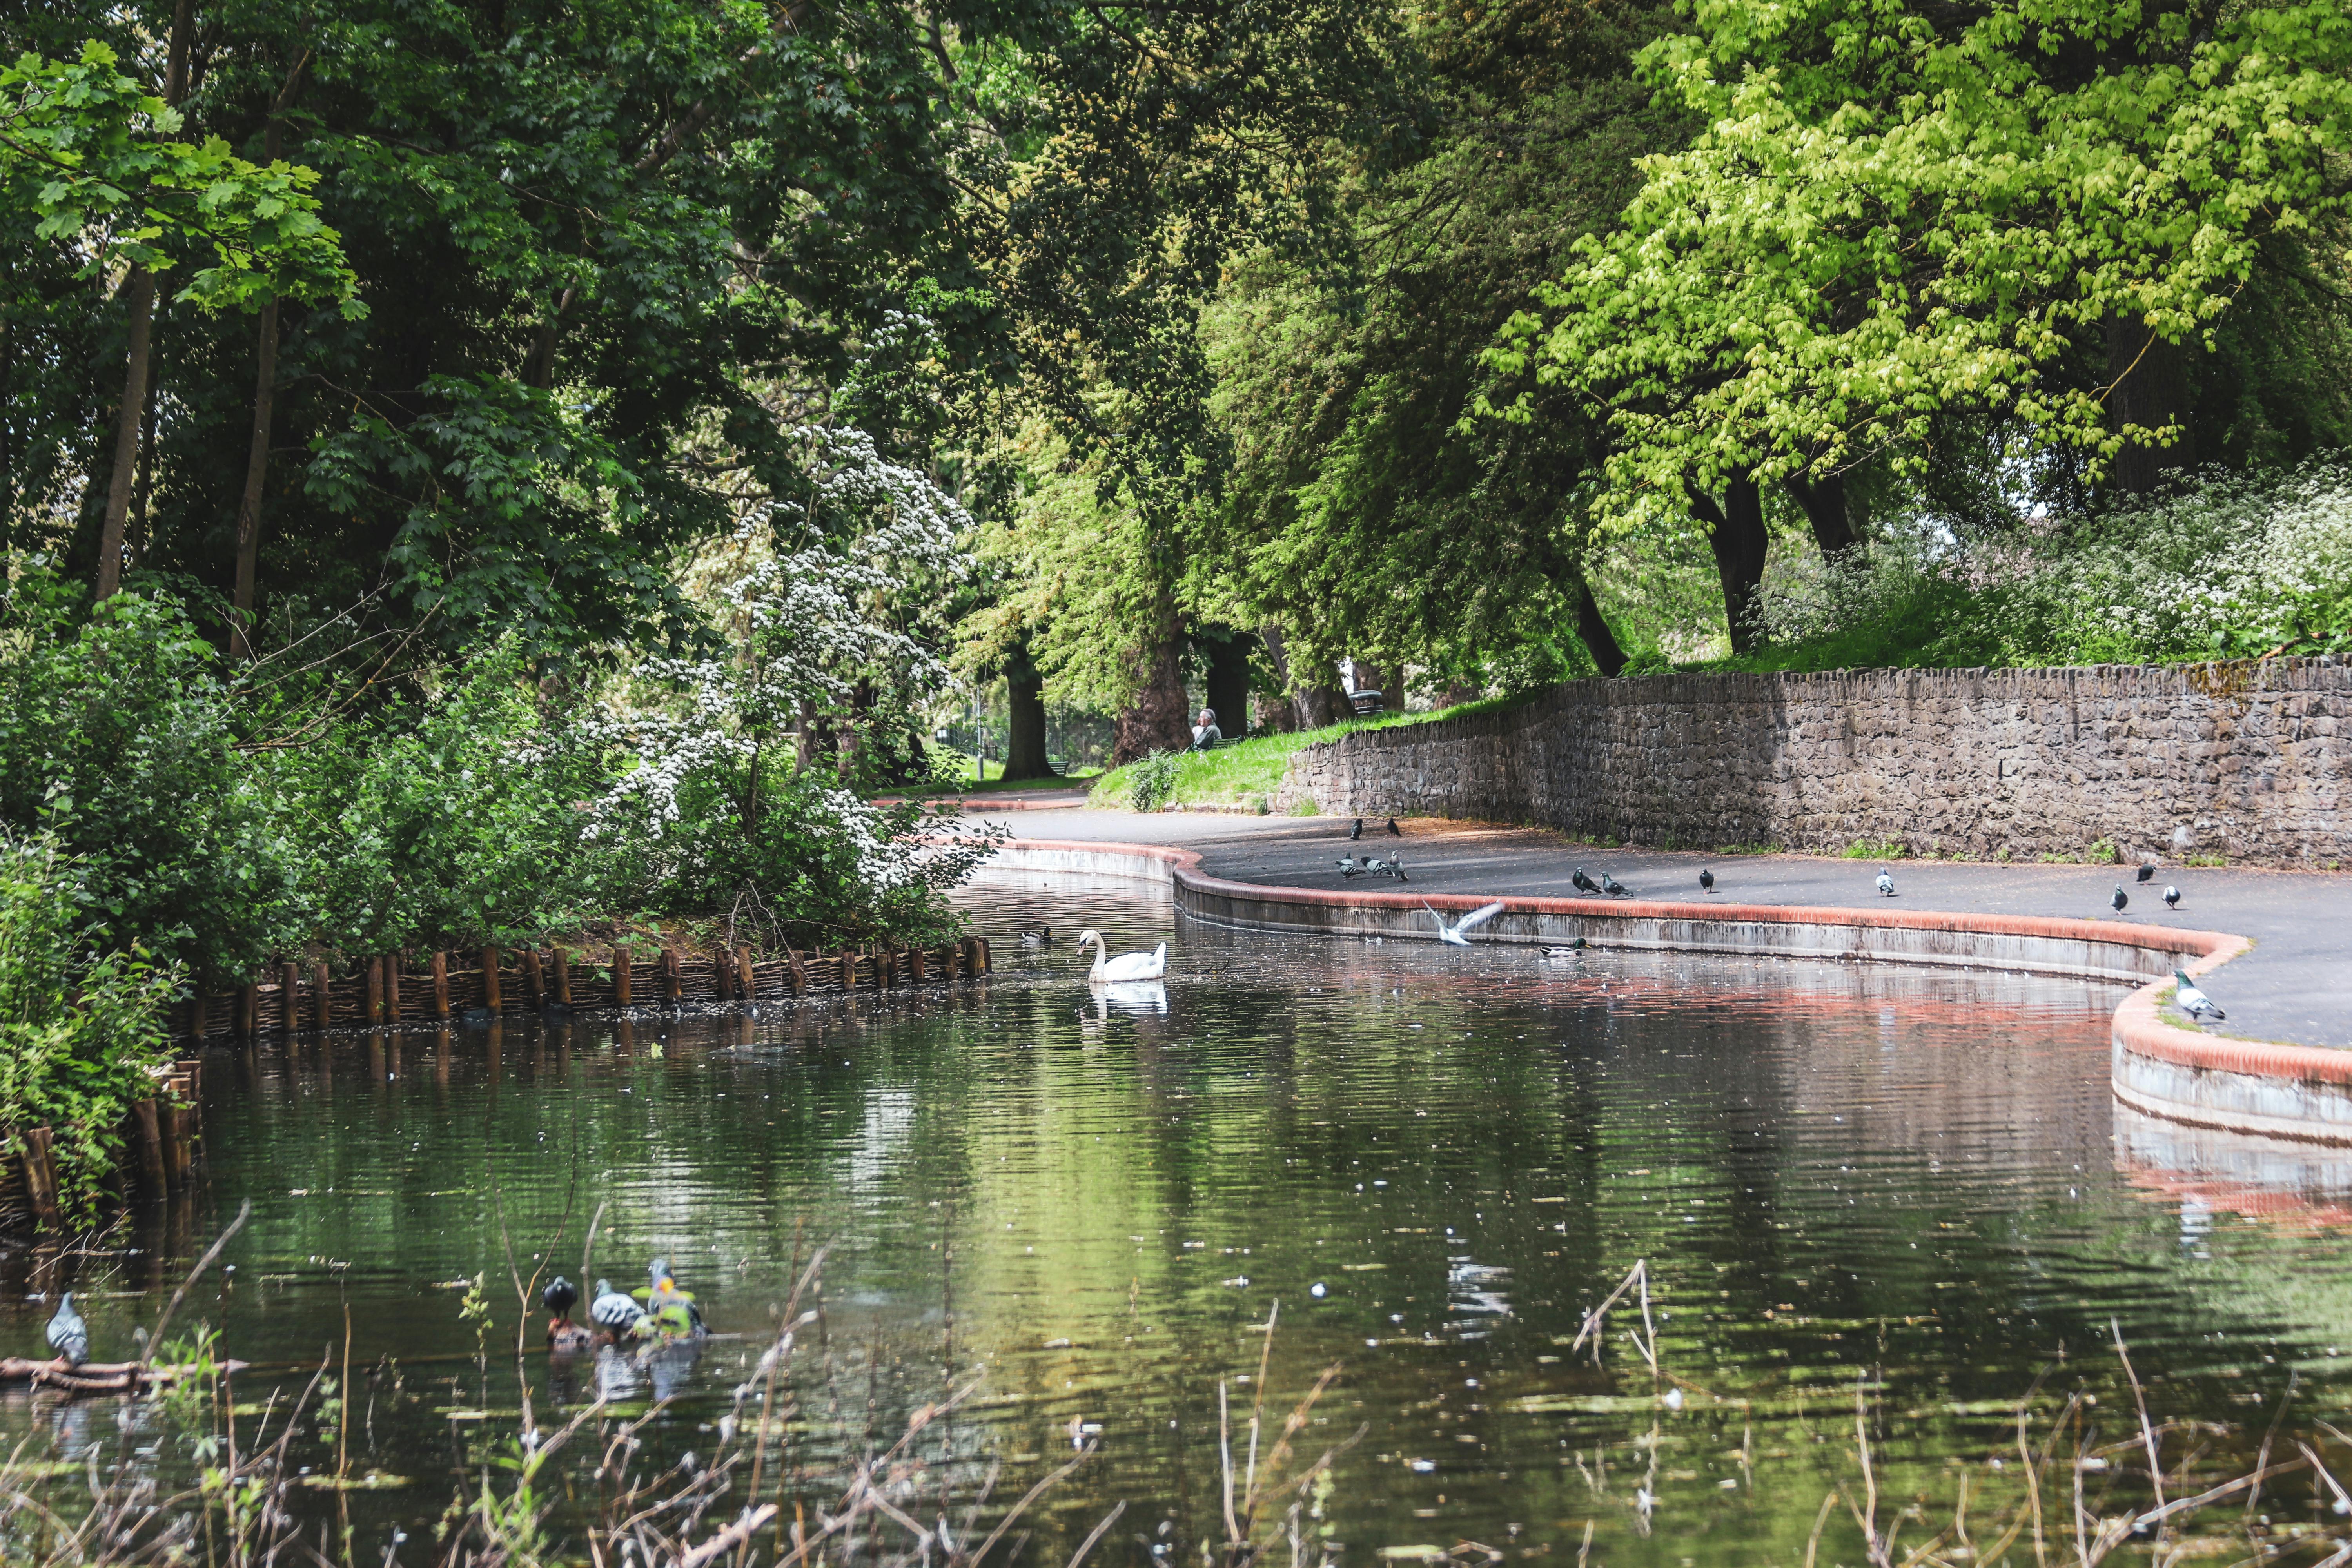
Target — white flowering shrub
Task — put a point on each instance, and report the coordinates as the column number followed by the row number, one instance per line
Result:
column 717, row 799
column 2231, row 566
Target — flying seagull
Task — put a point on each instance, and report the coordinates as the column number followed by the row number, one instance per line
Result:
column 1583, row 883
column 2119, row 899
column 1706, row 881
column 2171, row 898
column 1454, row 934
column 1886, row 883
column 2148, row 871
column 1394, row 831
column 2193, row 1002
column 1613, row 887
column 1356, row 832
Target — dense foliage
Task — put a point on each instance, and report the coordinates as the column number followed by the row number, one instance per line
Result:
column 81, row 1018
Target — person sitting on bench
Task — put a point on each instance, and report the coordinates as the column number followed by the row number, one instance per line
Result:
column 1205, row 734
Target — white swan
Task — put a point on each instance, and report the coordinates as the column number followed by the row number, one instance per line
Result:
column 1126, row 966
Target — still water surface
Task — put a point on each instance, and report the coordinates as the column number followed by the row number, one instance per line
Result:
column 1435, row 1161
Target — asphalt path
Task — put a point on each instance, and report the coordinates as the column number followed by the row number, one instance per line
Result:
column 2295, row 985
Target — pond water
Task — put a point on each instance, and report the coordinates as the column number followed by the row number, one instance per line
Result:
column 1899, row 1187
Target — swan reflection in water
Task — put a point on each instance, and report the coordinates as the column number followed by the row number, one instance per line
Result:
column 1140, row 998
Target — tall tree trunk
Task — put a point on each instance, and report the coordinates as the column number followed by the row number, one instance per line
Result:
column 1736, row 533
column 1274, row 714
column 139, row 303
column 1155, row 720
column 849, row 761
column 1826, row 508
column 816, row 738
column 1024, row 725
column 257, row 473
column 1598, row 640
column 265, row 396
column 2149, row 387
column 1229, row 680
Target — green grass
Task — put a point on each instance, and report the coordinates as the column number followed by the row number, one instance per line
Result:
column 1247, row 773
column 959, row 766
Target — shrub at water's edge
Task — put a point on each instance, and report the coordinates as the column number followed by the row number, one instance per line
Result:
column 82, row 1034
column 219, row 825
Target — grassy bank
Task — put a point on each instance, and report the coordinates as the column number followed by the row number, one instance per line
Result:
column 1247, row 773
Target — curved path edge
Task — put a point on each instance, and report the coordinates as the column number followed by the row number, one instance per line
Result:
column 2157, row 1067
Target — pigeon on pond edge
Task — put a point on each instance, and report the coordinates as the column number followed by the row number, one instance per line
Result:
column 2119, row 899
column 1583, row 883
column 2171, row 898
column 1394, row 831
column 1706, row 881
column 2193, row 1002
column 1613, row 887
column 1356, row 832
column 69, row 1335
column 2148, row 871
column 1886, row 883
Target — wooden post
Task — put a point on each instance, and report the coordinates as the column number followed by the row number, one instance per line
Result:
column 441, row 984
column 534, row 984
column 249, row 1010
column 391, row 985
column 746, row 987
column 921, row 964
column 175, row 1146
column 374, row 973
column 41, row 1175
column 723, row 974
column 563, row 979
column 952, row 954
column 980, row 948
column 491, row 980
column 319, row 995
column 849, row 972
column 673, row 982
column 147, row 1131
column 622, row 965
column 289, row 999
column 800, row 972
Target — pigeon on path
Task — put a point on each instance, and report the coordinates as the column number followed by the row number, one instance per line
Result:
column 1613, row 887
column 1583, row 883
column 1394, row 831
column 1356, row 832
column 1349, row 867
column 2148, row 871
column 2193, row 1002
column 2119, row 898
column 2171, row 898
column 1886, row 883
column 1706, row 881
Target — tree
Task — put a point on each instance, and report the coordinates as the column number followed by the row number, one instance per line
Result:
column 85, row 157
column 1896, row 213
column 1364, row 512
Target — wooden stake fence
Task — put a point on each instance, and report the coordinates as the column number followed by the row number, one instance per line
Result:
column 292, row 1001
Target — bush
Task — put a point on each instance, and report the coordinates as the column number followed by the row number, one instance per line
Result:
column 1151, row 780
column 117, row 738
column 81, row 1024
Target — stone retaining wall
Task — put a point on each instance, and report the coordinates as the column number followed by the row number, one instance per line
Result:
column 2249, row 760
